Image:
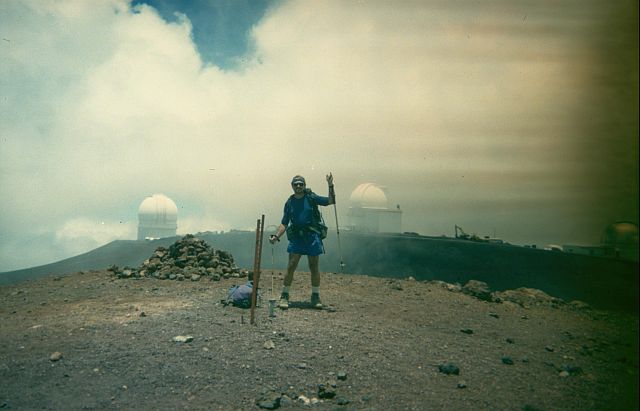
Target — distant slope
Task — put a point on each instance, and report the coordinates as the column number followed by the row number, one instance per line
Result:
column 601, row 282
column 120, row 252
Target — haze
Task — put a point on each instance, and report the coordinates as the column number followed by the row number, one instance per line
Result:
column 510, row 118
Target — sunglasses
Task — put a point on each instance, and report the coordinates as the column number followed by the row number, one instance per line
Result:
column 298, row 184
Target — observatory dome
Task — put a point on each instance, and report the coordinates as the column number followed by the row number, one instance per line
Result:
column 368, row 195
column 157, row 217
column 621, row 233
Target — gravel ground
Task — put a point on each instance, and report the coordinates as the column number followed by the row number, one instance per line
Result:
column 89, row 341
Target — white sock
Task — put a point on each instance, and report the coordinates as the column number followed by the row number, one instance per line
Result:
column 315, row 290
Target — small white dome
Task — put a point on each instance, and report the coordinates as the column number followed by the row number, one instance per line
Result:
column 158, row 209
column 157, row 217
column 620, row 233
column 368, row 195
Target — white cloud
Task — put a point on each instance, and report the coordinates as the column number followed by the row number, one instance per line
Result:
column 80, row 235
column 103, row 106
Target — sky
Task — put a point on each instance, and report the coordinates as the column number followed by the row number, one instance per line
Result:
column 517, row 119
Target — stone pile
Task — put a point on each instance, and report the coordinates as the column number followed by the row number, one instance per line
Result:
column 524, row 297
column 189, row 258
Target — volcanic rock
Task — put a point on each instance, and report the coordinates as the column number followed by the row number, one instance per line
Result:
column 269, row 401
column 56, row 356
column 449, row 368
column 188, row 258
column 478, row 289
column 326, row 391
column 526, row 297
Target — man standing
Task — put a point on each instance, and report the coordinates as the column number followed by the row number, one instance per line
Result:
column 302, row 222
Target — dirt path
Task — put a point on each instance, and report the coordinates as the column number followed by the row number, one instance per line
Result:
column 377, row 346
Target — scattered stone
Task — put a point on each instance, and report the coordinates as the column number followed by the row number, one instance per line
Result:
column 269, row 345
column 455, row 288
column 56, row 356
column 326, row 391
column 549, row 348
column 183, row 338
column 342, row 376
column 467, row 330
column 527, row 297
column 462, row 384
column 396, row 285
column 510, row 340
column 494, row 315
column 342, row 401
column 563, row 374
column 579, row 305
column 570, row 369
column 286, row 401
column 449, row 369
column 304, row 400
column 477, row 289
column 269, row 401
column 507, row 360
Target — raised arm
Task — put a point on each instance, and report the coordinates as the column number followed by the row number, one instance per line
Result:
column 332, row 193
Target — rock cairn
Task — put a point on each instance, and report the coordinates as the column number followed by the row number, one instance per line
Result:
column 189, row 258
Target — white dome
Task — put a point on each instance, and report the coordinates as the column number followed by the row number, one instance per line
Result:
column 368, row 195
column 157, row 217
column 621, row 233
column 159, row 209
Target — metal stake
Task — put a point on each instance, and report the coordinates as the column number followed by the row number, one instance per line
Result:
column 256, row 266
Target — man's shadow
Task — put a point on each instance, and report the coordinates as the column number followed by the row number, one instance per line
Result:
column 306, row 305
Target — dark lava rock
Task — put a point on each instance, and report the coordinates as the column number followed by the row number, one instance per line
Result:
column 326, row 391
column 269, row 401
column 342, row 401
column 449, row 368
column 507, row 360
column 528, row 297
column 478, row 289
column 571, row 369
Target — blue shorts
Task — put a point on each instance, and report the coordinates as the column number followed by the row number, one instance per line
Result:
column 309, row 244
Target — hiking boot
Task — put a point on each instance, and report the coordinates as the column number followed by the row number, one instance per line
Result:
column 315, row 301
column 284, row 301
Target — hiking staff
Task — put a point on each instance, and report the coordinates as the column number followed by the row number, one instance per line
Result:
column 273, row 266
column 272, row 300
column 335, row 210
